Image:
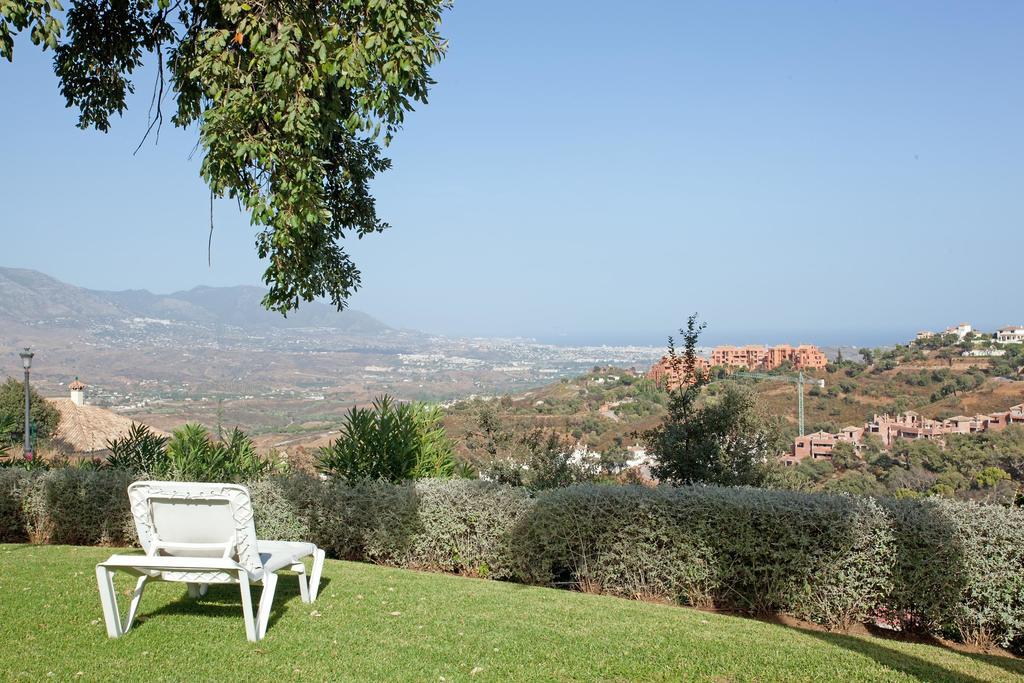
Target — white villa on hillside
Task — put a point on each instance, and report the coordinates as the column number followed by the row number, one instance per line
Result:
column 1013, row 334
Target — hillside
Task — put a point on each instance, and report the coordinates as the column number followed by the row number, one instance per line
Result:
column 854, row 393
column 212, row 354
column 33, row 297
column 602, row 409
column 606, row 407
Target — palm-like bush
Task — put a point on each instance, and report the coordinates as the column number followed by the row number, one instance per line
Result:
column 436, row 457
column 390, row 442
column 193, row 455
column 140, row 452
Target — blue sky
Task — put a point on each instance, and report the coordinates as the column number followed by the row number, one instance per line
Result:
column 821, row 172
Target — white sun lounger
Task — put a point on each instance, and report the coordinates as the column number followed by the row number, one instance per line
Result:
column 200, row 534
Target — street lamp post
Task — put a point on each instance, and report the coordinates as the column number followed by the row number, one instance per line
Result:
column 26, row 362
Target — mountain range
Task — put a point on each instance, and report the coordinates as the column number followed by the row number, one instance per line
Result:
column 31, row 297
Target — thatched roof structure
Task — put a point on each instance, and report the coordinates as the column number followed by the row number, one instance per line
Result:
column 86, row 429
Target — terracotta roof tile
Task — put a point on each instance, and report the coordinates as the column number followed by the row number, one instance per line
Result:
column 86, row 429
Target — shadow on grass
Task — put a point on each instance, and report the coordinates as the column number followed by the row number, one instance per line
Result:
column 1006, row 662
column 225, row 601
column 1013, row 666
column 906, row 663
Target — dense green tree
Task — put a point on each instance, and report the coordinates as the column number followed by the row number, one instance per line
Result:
column 12, row 411
column 845, row 456
column 948, row 353
column 8, row 424
column 723, row 440
column 290, row 100
column 860, row 483
column 490, row 437
column 990, row 477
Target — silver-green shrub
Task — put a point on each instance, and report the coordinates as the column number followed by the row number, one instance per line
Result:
column 453, row 525
column 464, row 526
column 959, row 569
column 282, row 504
column 13, row 485
column 823, row 558
column 79, row 507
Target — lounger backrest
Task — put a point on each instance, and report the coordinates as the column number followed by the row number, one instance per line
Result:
column 203, row 518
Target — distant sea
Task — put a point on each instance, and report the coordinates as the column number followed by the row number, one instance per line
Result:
column 818, row 337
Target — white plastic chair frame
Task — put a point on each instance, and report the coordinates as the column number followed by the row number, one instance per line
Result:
column 198, row 534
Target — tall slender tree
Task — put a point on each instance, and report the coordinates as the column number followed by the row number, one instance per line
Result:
column 719, row 441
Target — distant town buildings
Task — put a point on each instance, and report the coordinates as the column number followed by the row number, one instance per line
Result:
column 888, row 429
column 1011, row 334
column 959, row 331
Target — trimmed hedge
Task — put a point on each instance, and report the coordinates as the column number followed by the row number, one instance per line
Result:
column 818, row 557
column 942, row 567
column 67, row 505
column 959, row 569
column 454, row 525
column 13, row 527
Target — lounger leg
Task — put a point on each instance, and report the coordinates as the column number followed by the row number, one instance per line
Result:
column 108, row 599
column 300, row 569
column 134, row 606
column 250, row 623
column 266, row 601
column 193, row 590
column 318, row 567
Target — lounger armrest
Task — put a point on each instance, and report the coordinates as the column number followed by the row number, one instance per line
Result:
column 171, row 563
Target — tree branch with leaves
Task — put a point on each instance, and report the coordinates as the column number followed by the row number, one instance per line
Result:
column 292, row 102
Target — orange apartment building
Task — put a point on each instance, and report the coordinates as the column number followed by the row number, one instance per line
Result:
column 664, row 374
column 815, row 446
column 803, row 357
column 908, row 425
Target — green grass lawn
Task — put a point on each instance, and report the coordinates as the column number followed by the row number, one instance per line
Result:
column 373, row 623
